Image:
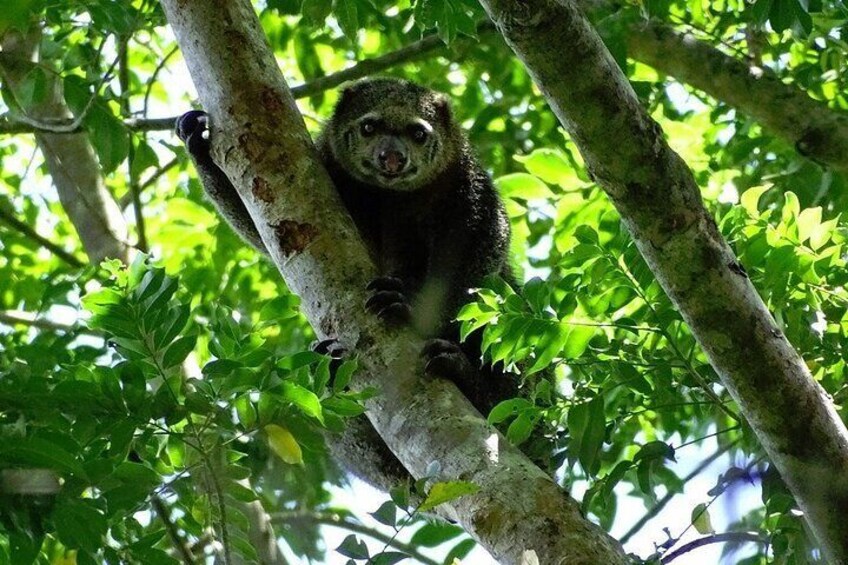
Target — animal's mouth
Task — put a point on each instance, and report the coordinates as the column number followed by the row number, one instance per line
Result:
column 388, row 175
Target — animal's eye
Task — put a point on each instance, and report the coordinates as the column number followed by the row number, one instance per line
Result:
column 419, row 133
column 367, row 127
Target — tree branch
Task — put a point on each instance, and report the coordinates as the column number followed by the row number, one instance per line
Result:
column 20, row 317
column 132, row 182
column 663, row 502
column 316, row 248
column 30, row 233
column 714, row 538
column 415, row 51
column 337, row 520
column 815, row 130
column 173, row 534
column 660, row 204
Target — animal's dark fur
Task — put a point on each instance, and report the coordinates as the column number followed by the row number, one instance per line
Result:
column 429, row 214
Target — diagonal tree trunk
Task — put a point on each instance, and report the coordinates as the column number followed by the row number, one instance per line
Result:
column 660, row 203
column 70, row 158
column 816, row 131
column 260, row 140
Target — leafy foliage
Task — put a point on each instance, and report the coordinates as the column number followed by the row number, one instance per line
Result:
column 167, row 403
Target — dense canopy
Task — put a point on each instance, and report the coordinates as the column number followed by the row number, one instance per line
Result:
column 159, row 401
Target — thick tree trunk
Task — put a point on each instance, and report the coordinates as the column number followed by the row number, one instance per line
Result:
column 71, row 160
column 260, row 140
column 661, row 206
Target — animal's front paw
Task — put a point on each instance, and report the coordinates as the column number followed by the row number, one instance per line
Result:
column 193, row 130
column 330, row 347
column 444, row 359
column 389, row 301
column 333, row 349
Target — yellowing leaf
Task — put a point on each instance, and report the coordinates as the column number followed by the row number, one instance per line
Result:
column 282, row 442
column 701, row 519
column 445, row 492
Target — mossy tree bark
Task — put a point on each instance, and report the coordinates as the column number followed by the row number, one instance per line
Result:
column 660, row 204
column 260, row 140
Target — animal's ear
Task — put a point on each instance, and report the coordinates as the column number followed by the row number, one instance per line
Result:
column 444, row 113
column 347, row 94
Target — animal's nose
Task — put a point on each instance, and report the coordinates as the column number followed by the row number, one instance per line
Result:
column 392, row 161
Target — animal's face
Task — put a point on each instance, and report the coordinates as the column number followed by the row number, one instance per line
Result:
column 393, row 135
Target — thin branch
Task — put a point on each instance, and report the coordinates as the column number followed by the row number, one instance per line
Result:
column 171, row 529
column 343, row 522
column 21, row 318
column 154, row 76
column 714, row 538
column 66, row 125
column 16, row 224
column 124, row 80
column 127, row 199
column 661, row 503
column 414, row 51
column 814, row 129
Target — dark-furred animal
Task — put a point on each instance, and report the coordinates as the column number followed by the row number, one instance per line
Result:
column 429, row 215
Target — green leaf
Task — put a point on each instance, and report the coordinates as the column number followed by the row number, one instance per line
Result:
column 38, row 452
column 577, row 340
column 761, row 10
column 460, row 551
column 400, row 495
column 388, row 558
column 386, row 514
column 586, row 424
column 178, row 351
column 521, row 428
column 809, row 220
column 352, row 547
column 655, row 450
column 524, row 186
column 240, row 492
column 174, row 323
column 550, row 165
column 304, row 399
column 783, row 14
column 344, row 374
column 443, row 492
column 108, row 135
column 343, row 406
column 508, row 409
column 432, row 534
column 791, row 208
column 750, row 198
column 23, row 546
column 347, row 16
column 284, row 444
column 80, row 525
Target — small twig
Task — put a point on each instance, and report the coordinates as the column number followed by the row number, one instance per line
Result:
column 702, row 438
column 19, row 317
column 714, row 538
column 14, row 223
column 661, row 503
column 339, row 521
column 171, row 529
column 154, row 76
column 127, row 199
column 124, row 80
